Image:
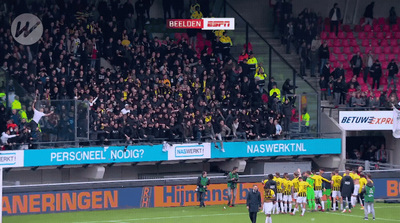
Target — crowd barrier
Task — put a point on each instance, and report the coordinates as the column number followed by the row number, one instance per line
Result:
column 143, row 197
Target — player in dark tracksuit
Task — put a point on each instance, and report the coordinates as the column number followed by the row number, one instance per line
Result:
column 346, row 189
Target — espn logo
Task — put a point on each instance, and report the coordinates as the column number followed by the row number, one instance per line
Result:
column 204, row 24
column 218, row 23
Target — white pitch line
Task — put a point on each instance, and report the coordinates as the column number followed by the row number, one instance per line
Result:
column 158, row 218
column 362, row 217
column 391, row 206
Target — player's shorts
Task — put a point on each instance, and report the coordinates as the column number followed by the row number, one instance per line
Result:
column 301, row 200
column 356, row 189
column 318, row 193
column 267, row 209
column 295, row 196
column 279, row 197
column 336, row 193
column 287, row 198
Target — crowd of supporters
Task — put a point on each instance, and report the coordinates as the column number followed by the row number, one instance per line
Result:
column 154, row 89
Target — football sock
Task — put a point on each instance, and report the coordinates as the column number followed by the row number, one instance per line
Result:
column 303, row 211
column 290, row 207
column 282, row 209
column 323, row 205
column 267, row 220
column 334, row 206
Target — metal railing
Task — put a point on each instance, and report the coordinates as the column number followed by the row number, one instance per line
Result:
column 370, row 165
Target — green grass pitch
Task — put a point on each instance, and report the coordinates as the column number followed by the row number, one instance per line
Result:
column 384, row 213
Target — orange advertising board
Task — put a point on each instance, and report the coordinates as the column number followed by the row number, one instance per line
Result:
column 186, row 195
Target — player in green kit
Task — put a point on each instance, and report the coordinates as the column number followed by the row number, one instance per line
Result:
column 310, row 191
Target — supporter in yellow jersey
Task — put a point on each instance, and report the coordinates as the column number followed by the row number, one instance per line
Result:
column 287, row 193
column 253, row 64
column 302, row 195
column 279, row 197
column 336, row 180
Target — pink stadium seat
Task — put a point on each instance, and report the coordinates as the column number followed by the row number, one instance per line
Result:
column 393, row 42
column 324, row 35
column 357, row 28
column 391, row 57
column 377, row 28
column 386, row 28
column 380, row 35
column 336, row 50
column 374, row 43
column 346, row 50
column 382, row 21
column 386, row 50
column 370, row 35
column 396, row 50
column 377, row 50
column 337, row 42
column 346, row 28
column 381, row 57
column 362, row 35
column 395, row 28
column 332, row 35
column 350, row 35
column 384, row 42
column 332, row 57
column 367, row 49
column 341, row 35
column 367, row 28
column 397, row 35
column 375, row 22
column 346, row 65
column 342, row 57
column 356, row 49
column 365, row 43
column 345, row 43
column 353, row 42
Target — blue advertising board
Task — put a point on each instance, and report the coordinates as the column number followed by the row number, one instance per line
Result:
column 278, row 148
column 94, row 155
column 387, row 188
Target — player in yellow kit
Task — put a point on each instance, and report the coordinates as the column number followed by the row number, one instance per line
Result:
column 279, row 196
column 269, row 198
column 287, row 193
column 336, row 180
column 363, row 181
column 356, row 180
column 302, row 195
column 318, row 188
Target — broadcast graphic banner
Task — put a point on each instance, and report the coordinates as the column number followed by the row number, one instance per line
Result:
column 366, row 120
column 204, row 23
column 278, row 148
column 94, row 155
column 189, row 151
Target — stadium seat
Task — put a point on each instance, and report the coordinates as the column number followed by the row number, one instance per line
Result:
column 386, row 28
column 353, row 42
column 324, row 35
column 350, row 35
column 393, row 42
column 345, row 43
column 346, row 28
column 387, row 50
column 365, row 43
column 337, row 42
column 367, row 28
column 367, row 49
column 374, row 43
column 397, row 35
column 342, row 57
column 374, row 22
column 346, row 65
column 377, row 50
column 341, row 35
column 330, row 42
column 332, row 35
column 370, row 35
column 356, row 49
column 362, row 35
column 362, row 20
column 382, row 21
column 332, row 57
column 347, row 50
column 357, row 28
column 395, row 28
column 384, row 43
column 391, row 57
column 396, row 50
column 381, row 57
column 380, row 35
column 376, row 28
column 337, row 50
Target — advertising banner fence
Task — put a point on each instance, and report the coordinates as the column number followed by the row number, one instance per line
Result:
column 366, row 120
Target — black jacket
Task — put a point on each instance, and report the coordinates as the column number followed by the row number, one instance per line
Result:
column 347, row 186
column 338, row 14
column 271, row 184
column 253, row 200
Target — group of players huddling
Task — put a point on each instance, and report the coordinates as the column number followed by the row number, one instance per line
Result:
column 281, row 193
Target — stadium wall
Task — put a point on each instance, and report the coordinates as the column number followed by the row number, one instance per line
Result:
column 142, row 197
